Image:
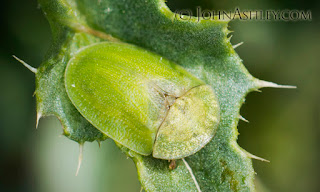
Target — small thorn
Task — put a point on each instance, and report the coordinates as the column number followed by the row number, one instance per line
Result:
column 261, row 84
column 39, row 115
column 32, row 69
column 80, row 158
column 257, row 90
column 237, row 45
column 99, row 143
column 256, row 157
column 243, row 119
column 229, row 38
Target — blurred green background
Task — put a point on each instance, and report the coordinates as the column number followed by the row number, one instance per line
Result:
column 284, row 124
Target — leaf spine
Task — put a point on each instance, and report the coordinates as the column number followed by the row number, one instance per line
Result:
column 32, row 69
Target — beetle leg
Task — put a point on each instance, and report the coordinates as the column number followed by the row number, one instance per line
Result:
column 173, row 164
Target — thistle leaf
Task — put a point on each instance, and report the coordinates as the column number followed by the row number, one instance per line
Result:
column 202, row 48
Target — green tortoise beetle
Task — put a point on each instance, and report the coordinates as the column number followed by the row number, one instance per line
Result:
column 141, row 100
